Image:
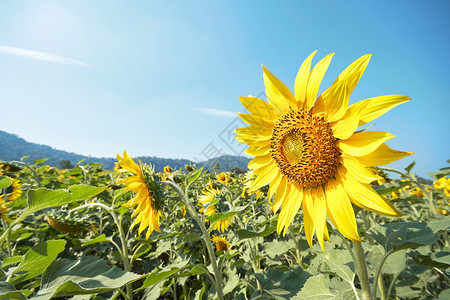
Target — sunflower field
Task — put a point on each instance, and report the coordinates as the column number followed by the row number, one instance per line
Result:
column 67, row 234
column 315, row 216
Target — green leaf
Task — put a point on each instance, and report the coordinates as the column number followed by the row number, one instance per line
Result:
column 394, row 264
column 439, row 174
column 275, row 247
column 88, row 275
column 193, row 177
column 11, row 261
column 404, row 235
column 221, row 216
column 340, row 263
column 100, row 239
column 315, row 288
column 164, row 235
column 282, row 285
column 444, row 295
column 409, row 168
column 247, row 234
column 191, row 237
column 390, row 187
column 232, row 282
column 199, row 293
column 199, row 269
column 37, row 259
column 44, row 198
column 8, row 291
column 439, row 260
column 5, row 182
column 40, row 161
column 155, row 276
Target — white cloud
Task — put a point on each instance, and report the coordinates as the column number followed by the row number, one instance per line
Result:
column 217, row 112
column 41, row 56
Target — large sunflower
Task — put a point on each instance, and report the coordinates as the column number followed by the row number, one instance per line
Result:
column 308, row 149
column 147, row 211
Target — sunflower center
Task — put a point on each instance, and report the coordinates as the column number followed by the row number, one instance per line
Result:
column 304, row 148
column 292, row 147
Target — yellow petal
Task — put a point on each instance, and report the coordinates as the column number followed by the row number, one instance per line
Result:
column 336, row 102
column 256, row 121
column 256, row 151
column 254, row 132
column 308, row 221
column 319, row 107
column 301, row 81
column 364, row 196
column 315, row 79
column 319, row 214
column 259, row 108
column 291, row 205
column 274, row 186
column 279, row 195
column 357, row 170
column 377, row 106
column 345, row 127
column 383, row 155
column 277, row 93
column 267, row 174
column 353, row 72
column 253, row 141
column 259, row 161
column 143, row 195
column 340, row 210
column 363, row 143
column 129, row 164
column 145, row 220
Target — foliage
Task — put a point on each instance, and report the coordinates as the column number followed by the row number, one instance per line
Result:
column 104, row 259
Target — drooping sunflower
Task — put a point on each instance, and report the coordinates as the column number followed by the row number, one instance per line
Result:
column 147, row 209
column 221, row 243
column 205, row 199
column 308, row 149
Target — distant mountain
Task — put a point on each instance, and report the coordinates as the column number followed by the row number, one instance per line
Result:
column 12, row 147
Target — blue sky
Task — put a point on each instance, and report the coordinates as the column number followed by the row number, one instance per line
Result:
column 162, row 78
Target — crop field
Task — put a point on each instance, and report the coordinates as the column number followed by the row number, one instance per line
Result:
column 68, row 234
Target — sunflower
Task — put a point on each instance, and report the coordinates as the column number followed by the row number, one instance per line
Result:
column 222, row 177
column 147, row 210
column 418, row 192
column 221, row 243
column 308, row 150
column 168, row 169
column 16, row 192
column 208, row 196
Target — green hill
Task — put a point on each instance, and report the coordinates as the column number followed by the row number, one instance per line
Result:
column 12, row 147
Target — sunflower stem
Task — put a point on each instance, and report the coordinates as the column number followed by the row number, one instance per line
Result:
column 362, row 270
column 206, row 236
column 378, row 275
column 8, row 242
